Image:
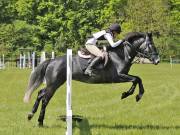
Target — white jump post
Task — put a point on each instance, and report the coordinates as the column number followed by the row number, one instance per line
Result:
column 171, row 62
column 68, row 93
column 29, row 60
column 33, row 61
column 20, row 61
column 43, row 57
column 24, row 61
column 53, row 55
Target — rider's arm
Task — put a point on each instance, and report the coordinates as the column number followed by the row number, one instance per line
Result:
column 110, row 40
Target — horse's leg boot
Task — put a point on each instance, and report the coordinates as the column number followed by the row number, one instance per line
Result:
column 89, row 69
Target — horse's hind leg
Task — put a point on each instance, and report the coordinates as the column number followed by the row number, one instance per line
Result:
column 36, row 104
column 50, row 90
column 45, row 100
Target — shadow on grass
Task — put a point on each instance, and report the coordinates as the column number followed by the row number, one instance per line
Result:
column 84, row 127
column 79, row 122
column 139, row 127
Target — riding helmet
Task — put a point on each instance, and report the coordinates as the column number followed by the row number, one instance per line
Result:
column 115, row 27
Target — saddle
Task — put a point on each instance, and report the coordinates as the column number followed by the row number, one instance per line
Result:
column 84, row 53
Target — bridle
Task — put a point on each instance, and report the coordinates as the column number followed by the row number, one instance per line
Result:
column 140, row 53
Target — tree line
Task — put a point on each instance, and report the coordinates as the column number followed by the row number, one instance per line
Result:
column 58, row 24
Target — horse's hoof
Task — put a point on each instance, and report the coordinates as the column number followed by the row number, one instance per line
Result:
column 124, row 95
column 30, row 115
column 138, row 98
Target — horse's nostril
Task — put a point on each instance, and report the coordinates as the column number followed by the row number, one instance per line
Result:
column 156, row 61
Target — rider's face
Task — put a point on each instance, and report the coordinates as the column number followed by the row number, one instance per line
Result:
column 115, row 34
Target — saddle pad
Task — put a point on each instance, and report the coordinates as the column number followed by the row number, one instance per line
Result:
column 83, row 55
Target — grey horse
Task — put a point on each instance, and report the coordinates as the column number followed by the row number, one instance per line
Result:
column 116, row 71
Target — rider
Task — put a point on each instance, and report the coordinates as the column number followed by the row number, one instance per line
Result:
column 108, row 35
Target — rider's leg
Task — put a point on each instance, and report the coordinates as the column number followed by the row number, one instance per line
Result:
column 88, row 70
column 99, row 55
column 94, row 50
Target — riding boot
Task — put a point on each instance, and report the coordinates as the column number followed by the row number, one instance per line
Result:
column 89, row 69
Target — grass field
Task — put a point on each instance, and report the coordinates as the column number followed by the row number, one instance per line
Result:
column 158, row 113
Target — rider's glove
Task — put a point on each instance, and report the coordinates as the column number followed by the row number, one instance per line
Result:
column 123, row 41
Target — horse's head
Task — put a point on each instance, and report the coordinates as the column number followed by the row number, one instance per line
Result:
column 148, row 50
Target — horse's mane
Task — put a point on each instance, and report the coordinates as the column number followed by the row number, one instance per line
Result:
column 133, row 35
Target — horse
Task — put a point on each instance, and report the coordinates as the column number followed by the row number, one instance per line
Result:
column 116, row 71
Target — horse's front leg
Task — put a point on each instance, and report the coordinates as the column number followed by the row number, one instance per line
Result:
column 135, row 80
column 129, row 92
column 141, row 90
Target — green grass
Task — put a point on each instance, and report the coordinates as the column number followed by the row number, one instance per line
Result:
column 158, row 113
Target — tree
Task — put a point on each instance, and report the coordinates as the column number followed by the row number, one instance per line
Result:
column 148, row 15
column 175, row 16
column 60, row 24
column 7, row 11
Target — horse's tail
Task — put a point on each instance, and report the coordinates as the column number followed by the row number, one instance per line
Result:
column 35, row 80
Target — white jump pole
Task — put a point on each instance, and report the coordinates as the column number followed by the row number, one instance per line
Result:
column 33, row 61
column 43, row 57
column 20, row 61
column 24, row 61
column 171, row 62
column 53, row 55
column 68, row 93
column 29, row 60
